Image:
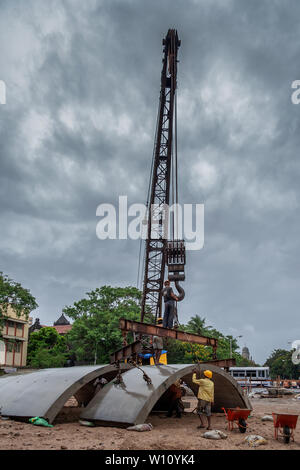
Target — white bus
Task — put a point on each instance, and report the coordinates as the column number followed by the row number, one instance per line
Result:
column 251, row 376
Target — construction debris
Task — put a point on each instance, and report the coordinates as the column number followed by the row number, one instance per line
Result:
column 86, row 423
column 141, row 427
column 255, row 440
column 253, row 395
column 279, row 391
column 214, row 434
column 267, row 418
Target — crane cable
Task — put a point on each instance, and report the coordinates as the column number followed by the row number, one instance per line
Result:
column 174, row 143
column 175, row 140
column 147, row 204
column 176, row 167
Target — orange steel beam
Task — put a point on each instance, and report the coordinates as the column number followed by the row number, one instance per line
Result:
column 226, row 363
column 126, row 352
column 148, row 329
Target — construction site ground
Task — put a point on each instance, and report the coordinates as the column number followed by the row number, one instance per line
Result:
column 167, row 434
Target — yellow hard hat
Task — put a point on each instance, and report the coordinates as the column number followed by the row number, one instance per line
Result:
column 208, row 373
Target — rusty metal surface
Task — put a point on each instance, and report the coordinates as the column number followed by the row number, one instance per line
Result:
column 226, row 363
column 126, row 352
column 147, row 329
column 132, row 401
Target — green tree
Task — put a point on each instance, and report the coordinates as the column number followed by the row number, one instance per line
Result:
column 244, row 362
column 185, row 353
column 46, row 348
column 175, row 351
column 95, row 332
column 197, row 325
column 195, row 353
column 13, row 295
column 280, row 363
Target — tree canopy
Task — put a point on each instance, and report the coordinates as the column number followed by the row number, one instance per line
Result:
column 95, row 332
column 198, row 325
column 185, row 353
column 13, row 295
column 280, row 363
column 46, row 348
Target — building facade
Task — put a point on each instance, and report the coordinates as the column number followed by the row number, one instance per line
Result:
column 14, row 341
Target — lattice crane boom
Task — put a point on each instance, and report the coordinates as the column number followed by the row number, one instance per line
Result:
column 157, row 231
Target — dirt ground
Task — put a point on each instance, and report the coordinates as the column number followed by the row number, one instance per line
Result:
column 167, row 433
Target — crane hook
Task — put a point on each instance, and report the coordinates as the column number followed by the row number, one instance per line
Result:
column 180, row 290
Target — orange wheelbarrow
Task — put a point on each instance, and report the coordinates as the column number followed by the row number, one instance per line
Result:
column 287, row 423
column 238, row 415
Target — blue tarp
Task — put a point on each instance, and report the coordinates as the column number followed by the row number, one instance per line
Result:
column 146, row 356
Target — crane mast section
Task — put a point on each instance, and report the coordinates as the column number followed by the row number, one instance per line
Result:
column 157, row 233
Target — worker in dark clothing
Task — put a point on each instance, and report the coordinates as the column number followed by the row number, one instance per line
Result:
column 175, row 394
column 169, row 299
column 157, row 344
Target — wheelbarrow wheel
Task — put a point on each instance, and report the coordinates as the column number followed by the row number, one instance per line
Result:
column 242, row 425
column 286, row 434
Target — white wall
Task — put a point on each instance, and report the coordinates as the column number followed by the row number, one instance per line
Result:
column 2, row 352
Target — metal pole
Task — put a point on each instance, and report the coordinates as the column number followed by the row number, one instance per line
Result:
column 95, row 360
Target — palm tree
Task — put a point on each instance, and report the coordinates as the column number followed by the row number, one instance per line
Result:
column 197, row 325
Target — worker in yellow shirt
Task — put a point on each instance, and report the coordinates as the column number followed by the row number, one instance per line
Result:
column 205, row 396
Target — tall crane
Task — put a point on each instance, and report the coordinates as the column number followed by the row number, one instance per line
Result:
column 160, row 251
column 163, row 248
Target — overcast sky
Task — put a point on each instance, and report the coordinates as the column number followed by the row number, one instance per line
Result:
column 77, row 130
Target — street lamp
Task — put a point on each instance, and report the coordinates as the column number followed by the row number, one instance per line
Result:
column 230, row 339
column 95, row 359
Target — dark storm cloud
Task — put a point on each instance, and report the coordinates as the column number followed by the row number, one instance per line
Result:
column 78, row 129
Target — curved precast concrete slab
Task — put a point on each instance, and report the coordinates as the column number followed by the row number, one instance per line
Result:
column 44, row 392
column 132, row 402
